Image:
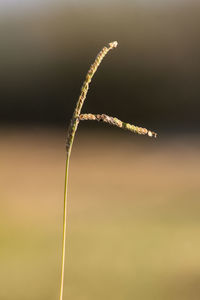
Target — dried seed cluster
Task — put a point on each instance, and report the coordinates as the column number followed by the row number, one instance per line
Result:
column 84, row 89
column 90, row 73
column 116, row 122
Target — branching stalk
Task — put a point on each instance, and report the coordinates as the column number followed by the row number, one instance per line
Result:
column 77, row 116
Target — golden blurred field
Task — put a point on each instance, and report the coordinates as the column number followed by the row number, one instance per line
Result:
column 134, row 216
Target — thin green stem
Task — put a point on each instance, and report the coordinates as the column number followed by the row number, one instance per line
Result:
column 64, row 226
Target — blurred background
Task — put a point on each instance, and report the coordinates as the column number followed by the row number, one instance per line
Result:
column 134, row 211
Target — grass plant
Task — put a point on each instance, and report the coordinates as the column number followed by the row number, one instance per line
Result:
column 77, row 116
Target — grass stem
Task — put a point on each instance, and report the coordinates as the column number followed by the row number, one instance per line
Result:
column 77, row 116
column 70, row 138
column 64, row 226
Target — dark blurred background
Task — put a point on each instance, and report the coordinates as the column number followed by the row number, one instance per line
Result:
column 152, row 78
column 134, row 209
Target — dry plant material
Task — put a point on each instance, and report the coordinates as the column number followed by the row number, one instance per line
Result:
column 77, row 116
column 116, row 122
